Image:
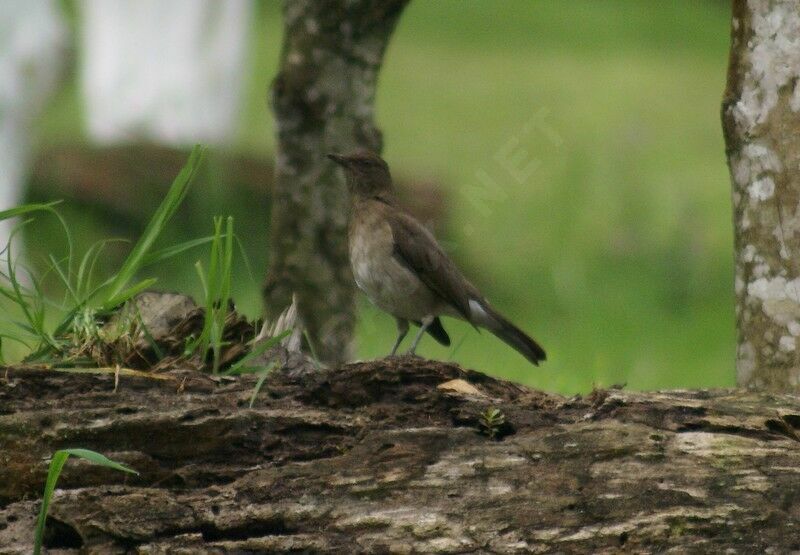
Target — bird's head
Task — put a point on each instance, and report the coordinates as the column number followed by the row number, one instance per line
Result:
column 367, row 173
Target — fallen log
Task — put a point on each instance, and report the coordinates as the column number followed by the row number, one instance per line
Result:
column 398, row 455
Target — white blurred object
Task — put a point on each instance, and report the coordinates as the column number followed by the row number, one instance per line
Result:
column 32, row 46
column 287, row 320
column 165, row 71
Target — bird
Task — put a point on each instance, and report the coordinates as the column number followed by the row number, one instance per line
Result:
column 397, row 262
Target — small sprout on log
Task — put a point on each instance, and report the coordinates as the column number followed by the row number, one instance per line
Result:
column 491, row 421
column 56, row 465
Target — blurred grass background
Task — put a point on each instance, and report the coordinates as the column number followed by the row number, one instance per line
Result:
column 615, row 250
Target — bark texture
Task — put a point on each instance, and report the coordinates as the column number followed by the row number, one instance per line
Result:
column 323, row 99
column 762, row 133
column 391, row 456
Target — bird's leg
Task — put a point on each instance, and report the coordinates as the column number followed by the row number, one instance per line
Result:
column 426, row 321
column 402, row 330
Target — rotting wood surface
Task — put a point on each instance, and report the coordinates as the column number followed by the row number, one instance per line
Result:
column 389, row 456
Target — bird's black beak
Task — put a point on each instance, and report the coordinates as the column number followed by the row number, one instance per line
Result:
column 339, row 159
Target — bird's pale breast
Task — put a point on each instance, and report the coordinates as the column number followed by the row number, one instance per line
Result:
column 389, row 284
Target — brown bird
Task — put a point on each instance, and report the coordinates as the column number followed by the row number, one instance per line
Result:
column 397, row 262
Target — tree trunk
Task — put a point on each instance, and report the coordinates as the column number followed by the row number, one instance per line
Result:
column 392, row 456
column 323, row 98
column 761, row 124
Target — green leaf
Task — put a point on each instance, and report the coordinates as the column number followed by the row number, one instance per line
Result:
column 83, row 280
column 148, row 336
column 99, row 458
column 26, row 209
column 128, row 293
column 240, row 367
column 56, row 465
column 313, row 351
column 56, row 266
column 174, row 250
column 175, row 195
column 260, row 382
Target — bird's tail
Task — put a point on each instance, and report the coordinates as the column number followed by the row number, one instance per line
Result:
column 486, row 316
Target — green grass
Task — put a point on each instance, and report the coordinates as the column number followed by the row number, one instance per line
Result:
column 216, row 283
column 119, row 289
column 616, row 252
column 57, row 463
column 47, row 327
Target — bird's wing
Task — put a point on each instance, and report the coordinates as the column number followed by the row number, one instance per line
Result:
column 417, row 249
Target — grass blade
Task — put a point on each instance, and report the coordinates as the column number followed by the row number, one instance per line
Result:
column 241, row 365
column 311, row 348
column 26, row 209
column 216, row 282
column 149, row 336
column 175, row 195
column 56, row 466
column 99, row 459
column 83, row 279
column 128, row 293
column 260, row 383
column 174, row 250
column 65, row 280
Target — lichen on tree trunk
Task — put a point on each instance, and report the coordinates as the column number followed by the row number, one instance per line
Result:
column 323, row 99
column 761, row 123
